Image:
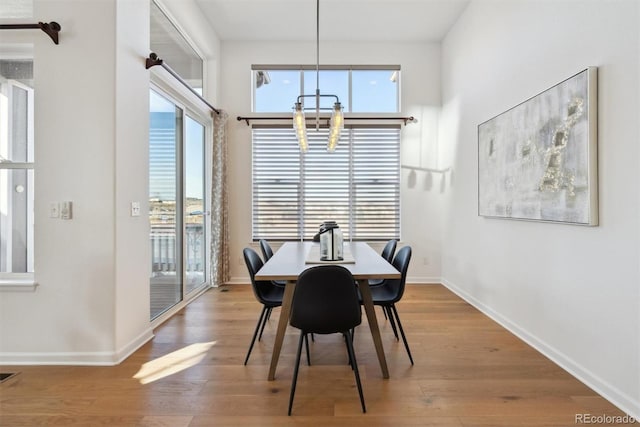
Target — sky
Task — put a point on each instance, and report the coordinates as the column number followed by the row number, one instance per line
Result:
column 373, row 91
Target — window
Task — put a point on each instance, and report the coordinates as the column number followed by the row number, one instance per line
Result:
column 375, row 91
column 10, row 9
column 334, row 82
column 361, row 89
column 358, row 185
column 16, row 163
column 173, row 48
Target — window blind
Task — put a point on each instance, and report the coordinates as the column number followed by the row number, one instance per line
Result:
column 358, row 185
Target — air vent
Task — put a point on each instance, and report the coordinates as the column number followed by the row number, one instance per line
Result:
column 4, row 377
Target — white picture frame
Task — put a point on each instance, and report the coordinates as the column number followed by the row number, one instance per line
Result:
column 537, row 161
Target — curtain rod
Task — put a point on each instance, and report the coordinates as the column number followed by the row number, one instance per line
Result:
column 153, row 60
column 51, row 28
column 406, row 120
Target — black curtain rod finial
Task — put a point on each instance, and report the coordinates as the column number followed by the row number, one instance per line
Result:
column 153, row 60
column 51, row 29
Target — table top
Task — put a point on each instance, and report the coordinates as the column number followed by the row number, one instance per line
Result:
column 289, row 261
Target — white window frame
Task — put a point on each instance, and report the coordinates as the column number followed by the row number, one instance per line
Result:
column 301, row 69
column 20, row 281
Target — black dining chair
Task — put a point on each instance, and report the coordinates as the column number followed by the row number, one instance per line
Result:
column 267, row 253
column 390, row 292
column 325, row 301
column 269, row 295
column 389, row 250
column 265, row 247
column 387, row 253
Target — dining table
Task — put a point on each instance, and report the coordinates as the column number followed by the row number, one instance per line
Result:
column 360, row 259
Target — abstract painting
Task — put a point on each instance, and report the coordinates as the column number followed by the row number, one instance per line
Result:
column 538, row 160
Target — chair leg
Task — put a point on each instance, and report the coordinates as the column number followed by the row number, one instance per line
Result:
column 404, row 338
column 351, row 336
column 295, row 372
column 392, row 321
column 255, row 333
column 264, row 322
column 306, row 344
column 354, row 366
column 384, row 311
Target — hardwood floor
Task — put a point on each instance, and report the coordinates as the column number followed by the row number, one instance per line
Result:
column 468, row 372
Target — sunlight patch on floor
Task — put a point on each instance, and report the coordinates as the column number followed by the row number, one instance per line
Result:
column 173, row 362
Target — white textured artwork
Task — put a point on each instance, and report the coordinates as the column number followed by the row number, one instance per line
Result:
column 538, row 160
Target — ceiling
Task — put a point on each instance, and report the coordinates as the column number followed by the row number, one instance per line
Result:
column 340, row 20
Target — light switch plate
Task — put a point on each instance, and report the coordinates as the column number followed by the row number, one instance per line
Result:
column 135, row 208
column 66, row 210
column 54, row 210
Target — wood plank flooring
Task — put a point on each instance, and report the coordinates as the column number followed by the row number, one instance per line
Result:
column 468, row 372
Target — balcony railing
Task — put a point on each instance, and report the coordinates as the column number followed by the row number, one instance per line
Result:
column 164, row 251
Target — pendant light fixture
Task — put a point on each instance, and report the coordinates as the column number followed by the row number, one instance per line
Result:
column 336, row 124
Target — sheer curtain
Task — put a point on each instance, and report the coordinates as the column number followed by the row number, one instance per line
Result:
column 219, row 203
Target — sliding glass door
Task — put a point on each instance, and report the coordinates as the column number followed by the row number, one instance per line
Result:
column 176, row 203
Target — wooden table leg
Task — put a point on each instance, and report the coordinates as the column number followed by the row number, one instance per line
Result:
column 282, row 327
column 373, row 325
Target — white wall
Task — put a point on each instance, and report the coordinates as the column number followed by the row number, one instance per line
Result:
column 571, row 291
column 92, row 133
column 420, row 95
column 132, row 251
column 91, row 109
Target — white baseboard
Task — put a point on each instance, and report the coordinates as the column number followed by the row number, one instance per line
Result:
column 623, row 401
column 423, row 280
column 96, row 358
column 89, row 358
column 238, row 281
column 134, row 345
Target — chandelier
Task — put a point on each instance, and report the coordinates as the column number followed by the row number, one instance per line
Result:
column 336, row 123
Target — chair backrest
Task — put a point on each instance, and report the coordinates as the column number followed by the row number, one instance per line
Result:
column 267, row 252
column 389, row 249
column 401, row 263
column 325, row 301
column 254, row 263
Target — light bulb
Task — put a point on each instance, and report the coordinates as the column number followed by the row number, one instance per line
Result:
column 300, row 126
column 335, row 127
